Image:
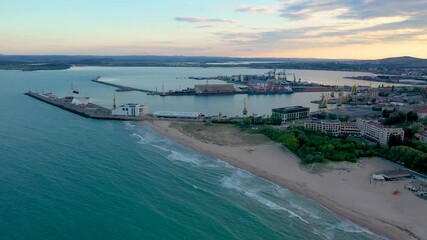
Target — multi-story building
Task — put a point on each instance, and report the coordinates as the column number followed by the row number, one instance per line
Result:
column 377, row 132
column 349, row 128
column 370, row 129
column 291, row 113
column 373, row 93
column 335, row 127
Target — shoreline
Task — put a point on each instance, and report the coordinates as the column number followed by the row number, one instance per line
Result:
column 376, row 224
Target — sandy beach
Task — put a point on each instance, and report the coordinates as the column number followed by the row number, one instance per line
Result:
column 344, row 188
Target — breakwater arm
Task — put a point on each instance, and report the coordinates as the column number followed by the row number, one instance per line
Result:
column 89, row 110
column 121, row 87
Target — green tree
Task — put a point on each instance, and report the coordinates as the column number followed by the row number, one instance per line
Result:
column 394, row 140
column 411, row 116
column 289, row 141
column 386, row 113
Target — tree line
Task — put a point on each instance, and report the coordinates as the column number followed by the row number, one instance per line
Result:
column 312, row 146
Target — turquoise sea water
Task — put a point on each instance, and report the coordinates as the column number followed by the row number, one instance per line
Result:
column 63, row 176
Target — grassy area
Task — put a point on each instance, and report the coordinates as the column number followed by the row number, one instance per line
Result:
column 220, row 134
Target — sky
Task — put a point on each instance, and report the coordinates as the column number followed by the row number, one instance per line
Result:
column 346, row 29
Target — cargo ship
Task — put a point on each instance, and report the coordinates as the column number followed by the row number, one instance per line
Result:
column 270, row 90
column 313, row 88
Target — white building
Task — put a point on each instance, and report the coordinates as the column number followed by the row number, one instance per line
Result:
column 378, row 132
column 177, row 115
column 367, row 128
column 130, row 109
column 79, row 101
column 334, row 127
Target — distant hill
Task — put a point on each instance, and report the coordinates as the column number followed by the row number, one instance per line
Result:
column 41, row 62
column 406, row 62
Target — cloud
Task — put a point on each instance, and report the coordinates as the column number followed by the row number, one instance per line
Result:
column 254, row 10
column 204, row 26
column 356, row 9
column 319, row 36
column 203, row 20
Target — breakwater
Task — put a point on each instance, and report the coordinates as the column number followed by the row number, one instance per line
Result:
column 122, row 88
column 89, row 110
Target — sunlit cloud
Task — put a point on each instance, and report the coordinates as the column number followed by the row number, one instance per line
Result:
column 204, row 20
column 281, row 28
column 254, row 10
column 205, row 26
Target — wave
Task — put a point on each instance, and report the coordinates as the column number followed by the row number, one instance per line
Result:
column 350, row 227
column 237, row 184
column 266, row 193
column 181, row 157
column 129, row 125
column 141, row 139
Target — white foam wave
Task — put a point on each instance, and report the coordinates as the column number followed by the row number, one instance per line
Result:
column 350, row 227
column 180, row 157
column 300, row 208
column 162, row 148
column 130, row 125
column 141, row 139
column 235, row 184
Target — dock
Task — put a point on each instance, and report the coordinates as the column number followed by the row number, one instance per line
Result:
column 121, row 88
column 89, row 111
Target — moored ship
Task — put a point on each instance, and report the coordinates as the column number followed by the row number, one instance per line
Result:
column 270, row 90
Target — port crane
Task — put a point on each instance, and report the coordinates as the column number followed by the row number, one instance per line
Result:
column 323, row 104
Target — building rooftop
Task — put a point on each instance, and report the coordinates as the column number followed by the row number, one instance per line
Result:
column 349, row 123
column 376, row 124
column 177, row 114
column 214, row 87
column 291, row 109
column 131, row 105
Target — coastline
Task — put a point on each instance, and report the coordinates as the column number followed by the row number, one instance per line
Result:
column 376, row 210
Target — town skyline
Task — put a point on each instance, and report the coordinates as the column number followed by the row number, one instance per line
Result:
column 271, row 28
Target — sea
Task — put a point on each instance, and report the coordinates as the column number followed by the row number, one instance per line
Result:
column 63, row 176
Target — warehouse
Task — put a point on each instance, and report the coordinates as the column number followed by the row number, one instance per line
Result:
column 178, row 115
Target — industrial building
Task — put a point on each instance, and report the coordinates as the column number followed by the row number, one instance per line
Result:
column 291, row 113
column 130, row 109
column 178, row 115
column 207, row 89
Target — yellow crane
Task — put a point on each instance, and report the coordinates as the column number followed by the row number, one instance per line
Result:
column 245, row 111
column 323, row 104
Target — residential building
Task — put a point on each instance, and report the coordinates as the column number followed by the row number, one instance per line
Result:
column 370, row 129
column 335, row 127
column 377, row 132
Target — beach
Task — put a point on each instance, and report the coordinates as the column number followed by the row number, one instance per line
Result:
column 343, row 188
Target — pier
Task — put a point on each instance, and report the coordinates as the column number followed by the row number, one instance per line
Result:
column 122, row 88
column 89, row 110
